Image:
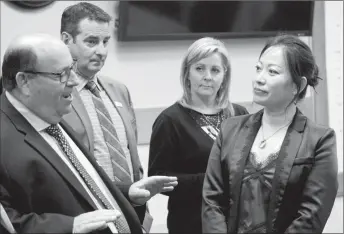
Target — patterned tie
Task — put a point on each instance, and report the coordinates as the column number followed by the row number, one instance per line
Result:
column 118, row 160
column 54, row 131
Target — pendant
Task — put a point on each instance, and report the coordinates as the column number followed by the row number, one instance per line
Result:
column 262, row 144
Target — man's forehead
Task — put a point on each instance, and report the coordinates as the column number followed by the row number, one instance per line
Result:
column 94, row 28
column 55, row 58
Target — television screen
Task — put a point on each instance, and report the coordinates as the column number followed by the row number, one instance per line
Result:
column 169, row 20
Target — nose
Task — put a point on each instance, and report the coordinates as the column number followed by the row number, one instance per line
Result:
column 207, row 74
column 73, row 79
column 101, row 49
column 260, row 78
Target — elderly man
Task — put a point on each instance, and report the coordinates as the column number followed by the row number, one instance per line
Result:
column 49, row 182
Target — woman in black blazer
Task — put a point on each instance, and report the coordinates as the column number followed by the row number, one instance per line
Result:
column 274, row 171
column 184, row 133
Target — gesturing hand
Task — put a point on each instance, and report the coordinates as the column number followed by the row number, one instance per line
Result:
column 95, row 220
column 143, row 190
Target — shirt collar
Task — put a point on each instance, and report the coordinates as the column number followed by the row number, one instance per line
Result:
column 82, row 82
column 37, row 123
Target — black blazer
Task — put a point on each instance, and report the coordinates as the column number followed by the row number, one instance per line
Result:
column 304, row 186
column 37, row 190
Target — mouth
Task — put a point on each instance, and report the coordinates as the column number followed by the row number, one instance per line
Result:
column 97, row 61
column 260, row 91
column 68, row 96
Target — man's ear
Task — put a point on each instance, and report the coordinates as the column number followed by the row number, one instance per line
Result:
column 66, row 38
column 22, row 81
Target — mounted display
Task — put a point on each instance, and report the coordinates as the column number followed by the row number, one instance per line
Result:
column 175, row 20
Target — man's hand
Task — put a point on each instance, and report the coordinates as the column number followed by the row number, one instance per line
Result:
column 143, row 190
column 95, row 220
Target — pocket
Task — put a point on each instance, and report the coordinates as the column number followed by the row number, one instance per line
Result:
column 299, row 161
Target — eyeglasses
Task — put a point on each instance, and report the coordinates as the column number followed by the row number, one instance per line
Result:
column 64, row 75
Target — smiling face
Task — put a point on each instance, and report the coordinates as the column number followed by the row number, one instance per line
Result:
column 273, row 86
column 47, row 97
column 206, row 76
column 89, row 47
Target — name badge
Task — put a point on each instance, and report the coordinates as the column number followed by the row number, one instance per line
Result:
column 118, row 104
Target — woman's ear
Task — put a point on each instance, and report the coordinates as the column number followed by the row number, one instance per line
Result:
column 303, row 83
column 66, row 38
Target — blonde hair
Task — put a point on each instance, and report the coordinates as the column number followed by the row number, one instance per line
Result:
column 200, row 49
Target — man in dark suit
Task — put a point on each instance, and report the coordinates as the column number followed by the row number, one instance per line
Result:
column 86, row 30
column 48, row 180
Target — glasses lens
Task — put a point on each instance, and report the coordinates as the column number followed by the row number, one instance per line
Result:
column 64, row 76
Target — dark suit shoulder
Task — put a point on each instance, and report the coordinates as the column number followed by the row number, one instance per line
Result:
column 239, row 110
column 238, row 120
column 318, row 130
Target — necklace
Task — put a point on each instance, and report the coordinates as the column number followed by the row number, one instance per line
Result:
column 263, row 142
column 209, row 122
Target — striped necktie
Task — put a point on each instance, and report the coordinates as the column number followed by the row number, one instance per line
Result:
column 118, row 160
column 54, row 131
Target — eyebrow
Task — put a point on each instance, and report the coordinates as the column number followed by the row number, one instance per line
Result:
column 197, row 64
column 269, row 65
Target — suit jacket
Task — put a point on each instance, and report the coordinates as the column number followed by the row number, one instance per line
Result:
column 304, row 185
column 37, row 189
column 79, row 121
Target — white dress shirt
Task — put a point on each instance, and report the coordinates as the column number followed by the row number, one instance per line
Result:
column 40, row 125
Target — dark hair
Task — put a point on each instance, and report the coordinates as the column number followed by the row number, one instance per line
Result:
column 72, row 16
column 300, row 61
column 17, row 60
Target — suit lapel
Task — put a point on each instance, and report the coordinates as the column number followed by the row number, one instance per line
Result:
column 80, row 109
column 284, row 163
column 126, row 207
column 123, row 112
column 35, row 140
column 237, row 162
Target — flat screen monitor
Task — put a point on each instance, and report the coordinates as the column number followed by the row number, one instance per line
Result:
column 176, row 20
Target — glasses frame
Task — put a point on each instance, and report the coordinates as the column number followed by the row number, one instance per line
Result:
column 61, row 75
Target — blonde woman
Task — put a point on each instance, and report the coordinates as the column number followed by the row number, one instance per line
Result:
column 184, row 133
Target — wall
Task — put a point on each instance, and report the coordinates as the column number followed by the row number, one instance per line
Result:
column 334, row 70
column 149, row 69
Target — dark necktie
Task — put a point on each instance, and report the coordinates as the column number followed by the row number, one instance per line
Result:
column 118, row 159
column 54, row 131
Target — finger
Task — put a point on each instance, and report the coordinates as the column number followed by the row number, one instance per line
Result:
column 99, row 215
column 89, row 227
column 164, row 179
column 118, row 214
column 167, row 189
column 174, row 183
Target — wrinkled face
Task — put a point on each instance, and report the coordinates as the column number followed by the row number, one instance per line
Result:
column 206, row 76
column 47, row 96
column 90, row 46
column 273, row 87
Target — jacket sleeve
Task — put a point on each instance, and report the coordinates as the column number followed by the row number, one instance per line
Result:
column 163, row 153
column 215, row 194
column 32, row 222
column 320, row 189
